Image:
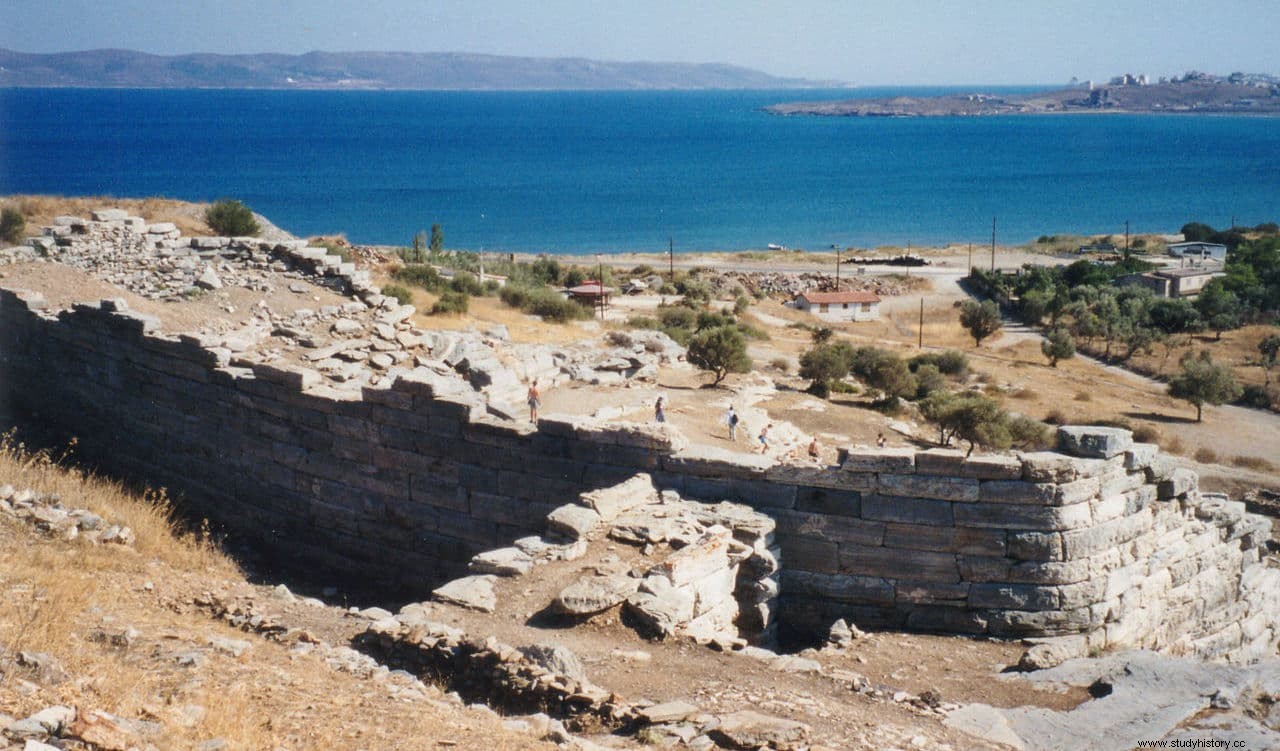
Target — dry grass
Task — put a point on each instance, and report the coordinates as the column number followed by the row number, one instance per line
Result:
column 40, row 210
column 1255, row 463
column 57, row 594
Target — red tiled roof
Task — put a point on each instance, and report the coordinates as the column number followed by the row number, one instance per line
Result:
column 591, row 289
column 826, row 298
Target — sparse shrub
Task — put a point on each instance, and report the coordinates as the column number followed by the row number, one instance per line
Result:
column 544, row 302
column 1028, row 434
column 546, row 270
column 741, row 304
column 1255, row 463
column 1055, row 417
column 12, row 225
column 400, row 292
column 844, row 387
column 419, row 275
column 668, row 289
column 620, row 339
column 1146, row 434
column 928, row 380
column 1256, row 396
column 677, row 317
column 644, row 322
column 1022, row 392
column 952, row 362
column 1206, row 455
column 781, row 364
column 467, row 283
column 1084, row 396
column 452, row 301
column 642, row 270
column 231, row 218
column 753, row 332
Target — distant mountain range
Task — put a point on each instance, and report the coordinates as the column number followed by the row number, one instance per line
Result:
column 370, row 70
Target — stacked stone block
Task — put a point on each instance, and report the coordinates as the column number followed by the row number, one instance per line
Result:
column 398, row 486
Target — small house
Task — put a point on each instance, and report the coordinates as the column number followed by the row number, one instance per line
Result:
column 1174, row 282
column 591, row 292
column 840, row 306
column 1198, row 249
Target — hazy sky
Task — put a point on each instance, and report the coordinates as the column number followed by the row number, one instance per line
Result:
column 885, row 42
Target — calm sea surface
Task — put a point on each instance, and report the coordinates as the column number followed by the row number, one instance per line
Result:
column 582, row 172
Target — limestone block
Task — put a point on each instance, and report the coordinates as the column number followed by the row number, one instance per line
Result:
column 1036, row 546
column 502, row 562
column 1044, row 622
column 907, row 510
column 474, row 592
column 930, row 593
column 573, row 521
column 859, row 590
column 1082, row 594
column 109, row 215
column 1018, row 491
column 1140, row 455
column 917, row 565
column 1094, row 441
column 865, row 459
column 1013, row 596
column 714, row 590
column 1161, row 466
column 1108, row 507
column 809, row 554
column 749, row 729
column 833, row 528
column 946, row 619
column 927, row 486
column 1050, row 466
column 593, row 594
column 660, row 606
column 967, row 540
column 1177, row 482
column 610, row 502
column 292, row 376
column 1016, row 517
column 709, row 554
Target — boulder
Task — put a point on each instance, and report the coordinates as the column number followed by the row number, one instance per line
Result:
column 556, row 659
column 593, row 594
column 502, row 562
column 474, row 592
column 748, row 730
column 1093, row 441
column 612, row 501
column 574, row 522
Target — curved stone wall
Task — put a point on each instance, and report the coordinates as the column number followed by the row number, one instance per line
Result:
column 397, row 489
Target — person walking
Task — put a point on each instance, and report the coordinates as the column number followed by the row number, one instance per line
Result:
column 880, row 441
column 659, row 409
column 815, row 453
column 535, row 401
column 732, row 420
column 764, row 438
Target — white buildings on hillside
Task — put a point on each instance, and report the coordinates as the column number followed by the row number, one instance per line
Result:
column 840, row 306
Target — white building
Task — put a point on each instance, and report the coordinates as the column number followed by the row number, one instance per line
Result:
column 840, row 306
column 1198, row 250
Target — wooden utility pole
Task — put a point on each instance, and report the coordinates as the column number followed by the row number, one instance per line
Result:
column 920, row 335
column 970, row 256
column 837, row 269
column 1126, row 239
column 993, row 244
column 671, row 259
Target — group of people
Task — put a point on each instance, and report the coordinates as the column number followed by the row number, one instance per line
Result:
column 731, row 419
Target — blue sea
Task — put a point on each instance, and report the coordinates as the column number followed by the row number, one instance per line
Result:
column 583, row 172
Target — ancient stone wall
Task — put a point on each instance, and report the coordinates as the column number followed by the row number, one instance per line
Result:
column 397, row 487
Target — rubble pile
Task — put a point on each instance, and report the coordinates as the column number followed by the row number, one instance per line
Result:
column 48, row 515
column 788, row 285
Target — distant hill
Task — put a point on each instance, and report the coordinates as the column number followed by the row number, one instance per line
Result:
column 369, row 70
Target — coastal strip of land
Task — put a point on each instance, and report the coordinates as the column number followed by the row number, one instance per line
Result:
column 1195, row 93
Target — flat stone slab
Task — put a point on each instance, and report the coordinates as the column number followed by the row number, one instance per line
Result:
column 1093, row 441
column 592, row 594
column 502, row 562
column 672, row 711
column 474, row 592
column 574, row 522
column 750, row 730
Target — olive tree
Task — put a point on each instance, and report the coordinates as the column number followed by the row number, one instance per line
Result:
column 1203, row 381
column 721, row 350
column 1058, row 345
column 981, row 320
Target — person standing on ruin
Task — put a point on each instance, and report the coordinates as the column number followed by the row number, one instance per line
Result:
column 535, row 401
column 815, row 453
column 880, row 441
column 659, row 409
column 764, row 438
column 731, row 419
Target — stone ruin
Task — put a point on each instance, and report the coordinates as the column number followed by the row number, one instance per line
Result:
column 1104, row 543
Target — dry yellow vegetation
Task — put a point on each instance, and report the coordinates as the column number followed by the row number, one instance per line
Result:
column 61, row 597
column 39, row 210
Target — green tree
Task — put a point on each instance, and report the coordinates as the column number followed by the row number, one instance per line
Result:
column 437, row 239
column 1269, row 348
column 231, row 218
column 981, row 320
column 1196, row 232
column 976, row 419
column 12, row 225
column 418, row 251
column 721, row 350
column 1219, row 307
column 1058, row 345
column 825, row 364
column 1203, row 381
column 822, row 335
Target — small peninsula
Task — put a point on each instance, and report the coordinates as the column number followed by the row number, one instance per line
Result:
column 1239, row 93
